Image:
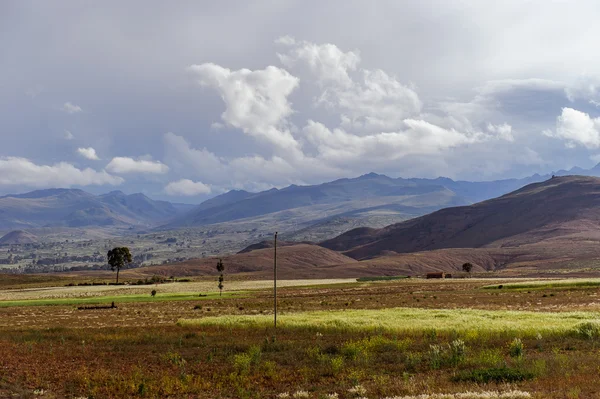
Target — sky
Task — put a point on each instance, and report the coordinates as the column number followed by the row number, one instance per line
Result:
column 186, row 100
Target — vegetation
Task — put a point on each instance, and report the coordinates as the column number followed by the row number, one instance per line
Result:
column 220, row 269
column 467, row 267
column 432, row 348
column 545, row 284
column 407, row 319
column 117, row 258
column 380, row 278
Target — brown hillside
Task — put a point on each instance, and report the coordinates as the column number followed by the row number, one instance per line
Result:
column 560, row 206
column 18, row 237
column 298, row 261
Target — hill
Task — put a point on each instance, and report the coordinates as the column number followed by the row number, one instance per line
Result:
column 18, row 237
column 77, row 208
column 560, row 206
column 297, row 261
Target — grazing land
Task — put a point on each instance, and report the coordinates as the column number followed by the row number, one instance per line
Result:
column 396, row 338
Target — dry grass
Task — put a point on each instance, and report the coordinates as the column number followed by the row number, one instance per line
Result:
column 468, row 321
column 137, row 351
column 169, row 288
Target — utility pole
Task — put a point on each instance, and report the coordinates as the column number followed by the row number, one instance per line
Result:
column 275, row 282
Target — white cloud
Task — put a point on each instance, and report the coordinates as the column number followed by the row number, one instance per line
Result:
column 371, row 101
column 503, row 131
column 67, row 135
column 187, row 187
column 88, row 153
column 327, row 62
column 256, row 101
column 22, row 171
column 124, row 165
column 70, row 108
column 576, row 128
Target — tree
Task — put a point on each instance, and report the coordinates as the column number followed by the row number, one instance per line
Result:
column 220, row 269
column 467, row 267
column 117, row 258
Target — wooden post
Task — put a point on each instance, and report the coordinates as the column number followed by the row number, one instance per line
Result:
column 275, row 282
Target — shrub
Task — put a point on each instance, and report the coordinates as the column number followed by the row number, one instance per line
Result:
column 435, row 356
column 497, row 375
column 458, row 351
column 588, row 330
column 515, row 348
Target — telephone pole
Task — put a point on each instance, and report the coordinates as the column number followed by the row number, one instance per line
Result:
column 275, row 281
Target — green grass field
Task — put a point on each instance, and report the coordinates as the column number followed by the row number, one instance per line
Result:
column 411, row 319
column 118, row 299
column 546, row 284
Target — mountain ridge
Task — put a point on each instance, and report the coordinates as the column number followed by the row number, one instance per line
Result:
column 557, row 206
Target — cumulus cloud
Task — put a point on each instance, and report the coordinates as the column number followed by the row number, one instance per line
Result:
column 381, row 122
column 327, row 62
column 576, row 128
column 187, row 187
column 67, row 135
column 256, row 101
column 124, row 165
column 88, row 153
column 372, row 100
column 22, row 171
column 70, row 108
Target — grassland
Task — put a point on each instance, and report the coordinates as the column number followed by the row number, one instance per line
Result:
column 546, row 284
column 410, row 339
column 117, row 298
column 468, row 321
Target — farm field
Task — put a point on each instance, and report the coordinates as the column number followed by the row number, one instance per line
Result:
column 400, row 338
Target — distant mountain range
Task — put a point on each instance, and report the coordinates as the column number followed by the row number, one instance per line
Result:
column 77, row 208
column 559, row 207
column 316, row 211
column 366, row 200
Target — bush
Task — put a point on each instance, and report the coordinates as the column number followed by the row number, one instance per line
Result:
column 436, row 354
column 458, row 350
column 588, row 330
column 497, row 375
column 516, row 349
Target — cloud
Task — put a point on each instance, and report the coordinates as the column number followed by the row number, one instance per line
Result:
column 88, row 153
column 187, row 187
column 70, row 108
column 16, row 171
column 326, row 61
column 576, row 128
column 372, row 100
column 124, row 165
column 503, row 131
column 67, row 135
column 255, row 101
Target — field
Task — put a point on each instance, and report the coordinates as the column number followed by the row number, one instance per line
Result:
column 406, row 338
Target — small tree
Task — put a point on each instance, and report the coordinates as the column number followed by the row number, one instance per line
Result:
column 117, row 258
column 467, row 267
column 220, row 269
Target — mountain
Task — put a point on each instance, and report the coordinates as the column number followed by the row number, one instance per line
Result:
column 557, row 207
column 18, row 237
column 77, row 208
column 341, row 197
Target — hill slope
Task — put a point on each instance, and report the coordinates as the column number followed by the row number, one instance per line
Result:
column 555, row 207
column 77, row 208
column 297, row 261
column 18, row 237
